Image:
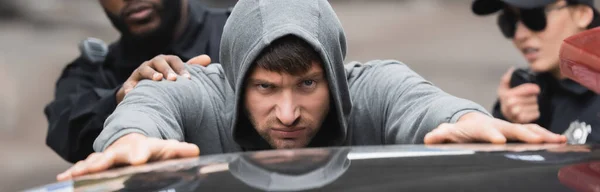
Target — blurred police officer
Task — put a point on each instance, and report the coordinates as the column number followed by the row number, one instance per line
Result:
column 92, row 85
column 540, row 94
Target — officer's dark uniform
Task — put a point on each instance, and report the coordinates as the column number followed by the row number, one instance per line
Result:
column 85, row 92
column 562, row 102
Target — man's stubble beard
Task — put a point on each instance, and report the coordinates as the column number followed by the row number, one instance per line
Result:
column 263, row 131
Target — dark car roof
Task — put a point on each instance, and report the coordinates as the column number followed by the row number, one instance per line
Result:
column 474, row 167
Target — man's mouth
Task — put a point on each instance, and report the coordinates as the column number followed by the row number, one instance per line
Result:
column 137, row 12
column 530, row 53
column 288, row 133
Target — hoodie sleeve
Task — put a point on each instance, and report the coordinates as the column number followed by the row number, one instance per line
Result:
column 168, row 109
column 405, row 105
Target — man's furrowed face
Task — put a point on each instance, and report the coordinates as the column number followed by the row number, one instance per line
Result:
column 139, row 16
column 287, row 110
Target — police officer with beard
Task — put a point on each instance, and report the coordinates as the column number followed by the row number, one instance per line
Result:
column 92, row 85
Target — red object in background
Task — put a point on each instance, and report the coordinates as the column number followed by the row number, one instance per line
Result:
column 581, row 177
column 580, row 58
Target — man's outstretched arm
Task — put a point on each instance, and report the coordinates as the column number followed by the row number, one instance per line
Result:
column 415, row 111
column 151, row 122
column 81, row 105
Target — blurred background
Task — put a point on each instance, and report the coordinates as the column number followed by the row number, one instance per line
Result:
column 442, row 40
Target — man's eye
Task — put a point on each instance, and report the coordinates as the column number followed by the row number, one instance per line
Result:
column 263, row 86
column 308, row 83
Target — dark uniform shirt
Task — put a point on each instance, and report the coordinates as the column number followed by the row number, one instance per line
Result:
column 562, row 102
column 85, row 91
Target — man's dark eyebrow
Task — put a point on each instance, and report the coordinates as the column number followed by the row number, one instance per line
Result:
column 259, row 81
column 313, row 75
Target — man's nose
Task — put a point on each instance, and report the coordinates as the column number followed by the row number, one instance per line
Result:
column 287, row 111
column 521, row 32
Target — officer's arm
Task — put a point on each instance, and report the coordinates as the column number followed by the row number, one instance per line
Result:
column 77, row 113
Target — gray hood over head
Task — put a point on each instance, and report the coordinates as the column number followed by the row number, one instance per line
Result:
column 255, row 24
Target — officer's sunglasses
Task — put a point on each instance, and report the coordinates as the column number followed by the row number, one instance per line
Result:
column 534, row 19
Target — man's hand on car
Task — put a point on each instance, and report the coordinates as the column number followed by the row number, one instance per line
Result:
column 162, row 66
column 131, row 149
column 518, row 104
column 136, row 149
column 478, row 127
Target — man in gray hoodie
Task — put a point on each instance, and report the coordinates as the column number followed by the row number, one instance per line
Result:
column 282, row 84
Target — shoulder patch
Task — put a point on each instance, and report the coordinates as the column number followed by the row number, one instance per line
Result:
column 93, row 50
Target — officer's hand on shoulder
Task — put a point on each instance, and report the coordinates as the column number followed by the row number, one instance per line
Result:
column 131, row 149
column 518, row 104
column 158, row 68
column 478, row 127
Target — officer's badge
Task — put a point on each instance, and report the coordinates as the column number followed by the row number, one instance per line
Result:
column 577, row 132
